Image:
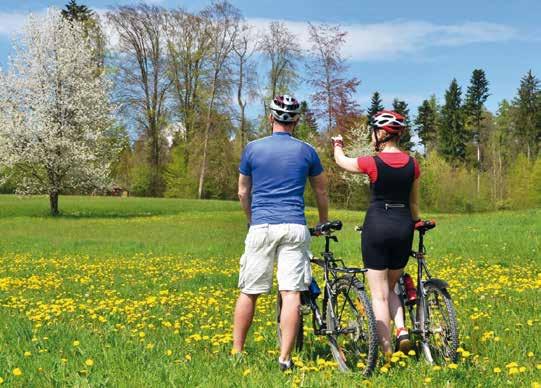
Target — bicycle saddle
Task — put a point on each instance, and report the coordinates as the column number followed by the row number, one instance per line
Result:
column 423, row 226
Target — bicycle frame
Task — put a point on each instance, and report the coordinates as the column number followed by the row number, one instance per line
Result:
column 330, row 270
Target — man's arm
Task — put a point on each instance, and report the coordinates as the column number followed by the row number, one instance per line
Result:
column 319, row 186
column 245, row 195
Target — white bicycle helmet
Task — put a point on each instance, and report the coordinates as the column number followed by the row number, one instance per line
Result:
column 285, row 109
column 389, row 121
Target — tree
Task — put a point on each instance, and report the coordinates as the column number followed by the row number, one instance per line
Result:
column 476, row 96
column 426, row 124
column 376, row 105
column 452, row 135
column 224, row 21
column 188, row 54
column 143, row 80
column 401, row 107
column 279, row 46
column 244, row 51
column 55, row 111
column 528, row 111
column 74, row 11
column 333, row 95
column 92, row 28
column 306, row 129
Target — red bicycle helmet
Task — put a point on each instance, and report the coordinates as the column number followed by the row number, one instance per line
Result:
column 389, row 121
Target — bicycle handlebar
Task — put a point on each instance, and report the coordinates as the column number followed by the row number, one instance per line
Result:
column 326, row 228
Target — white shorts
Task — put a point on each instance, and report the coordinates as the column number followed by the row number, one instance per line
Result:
column 290, row 244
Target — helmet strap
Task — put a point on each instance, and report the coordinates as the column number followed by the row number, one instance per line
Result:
column 380, row 143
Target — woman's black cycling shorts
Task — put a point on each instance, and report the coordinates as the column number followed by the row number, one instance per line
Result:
column 386, row 238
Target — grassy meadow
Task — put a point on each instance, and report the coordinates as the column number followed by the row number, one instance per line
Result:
column 135, row 292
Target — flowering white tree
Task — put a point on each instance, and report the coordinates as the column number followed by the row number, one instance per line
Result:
column 54, row 111
column 357, row 144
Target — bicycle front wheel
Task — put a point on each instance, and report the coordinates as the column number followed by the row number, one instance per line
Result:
column 352, row 326
column 442, row 329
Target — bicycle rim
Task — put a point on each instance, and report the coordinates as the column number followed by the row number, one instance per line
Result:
column 441, row 325
column 354, row 340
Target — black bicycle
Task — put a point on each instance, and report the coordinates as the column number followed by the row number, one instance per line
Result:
column 431, row 310
column 346, row 317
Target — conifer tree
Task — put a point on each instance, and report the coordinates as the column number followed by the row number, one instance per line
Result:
column 452, row 136
column 426, row 124
column 401, row 107
column 528, row 111
column 376, row 105
column 476, row 96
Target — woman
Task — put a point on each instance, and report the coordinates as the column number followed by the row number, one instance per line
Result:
column 389, row 222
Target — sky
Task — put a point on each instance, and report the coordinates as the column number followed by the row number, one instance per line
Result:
column 403, row 49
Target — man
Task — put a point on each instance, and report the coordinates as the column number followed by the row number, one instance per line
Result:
column 273, row 174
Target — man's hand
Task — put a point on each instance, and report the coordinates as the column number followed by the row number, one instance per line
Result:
column 337, row 141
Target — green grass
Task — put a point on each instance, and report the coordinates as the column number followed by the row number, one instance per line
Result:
column 147, row 287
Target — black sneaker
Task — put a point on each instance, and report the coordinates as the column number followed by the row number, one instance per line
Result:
column 403, row 342
column 285, row 366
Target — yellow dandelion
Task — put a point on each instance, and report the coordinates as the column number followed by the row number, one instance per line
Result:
column 497, row 370
column 27, row 354
column 436, row 368
column 76, row 343
column 427, row 380
column 384, row 369
column 1, row 380
column 522, row 369
column 411, row 353
column 453, row 365
column 188, row 357
column 233, row 351
column 246, row 372
column 17, row 372
column 538, row 366
column 513, row 371
column 530, row 354
column 465, row 354
column 535, row 384
column 360, row 365
column 89, row 362
column 168, row 352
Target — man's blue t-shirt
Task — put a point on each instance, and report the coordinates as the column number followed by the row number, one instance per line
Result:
column 279, row 166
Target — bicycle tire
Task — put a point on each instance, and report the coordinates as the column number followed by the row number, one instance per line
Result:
column 361, row 346
column 442, row 339
column 299, row 339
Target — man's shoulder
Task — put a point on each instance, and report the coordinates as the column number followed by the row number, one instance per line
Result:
column 255, row 142
column 305, row 145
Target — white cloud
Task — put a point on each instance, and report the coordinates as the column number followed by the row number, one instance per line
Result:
column 386, row 41
column 12, row 22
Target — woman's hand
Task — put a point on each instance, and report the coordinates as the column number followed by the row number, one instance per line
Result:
column 348, row 164
column 337, row 141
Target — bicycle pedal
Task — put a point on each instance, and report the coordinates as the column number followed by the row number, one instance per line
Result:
column 305, row 309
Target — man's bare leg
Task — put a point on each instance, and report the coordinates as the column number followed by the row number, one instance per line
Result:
column 289, row 322
column 244, row 314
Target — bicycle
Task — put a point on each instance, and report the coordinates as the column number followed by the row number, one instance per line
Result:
column 432, row 313
column 346, row 317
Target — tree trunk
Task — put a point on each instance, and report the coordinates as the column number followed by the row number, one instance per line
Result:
column 478, row 168
column 206, row 141
column 53, row 202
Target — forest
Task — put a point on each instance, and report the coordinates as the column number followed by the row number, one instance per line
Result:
column 185, row 92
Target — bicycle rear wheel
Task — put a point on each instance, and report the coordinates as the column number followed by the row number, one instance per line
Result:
column 353, row 342
column 299, row 339
column 441, row 324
